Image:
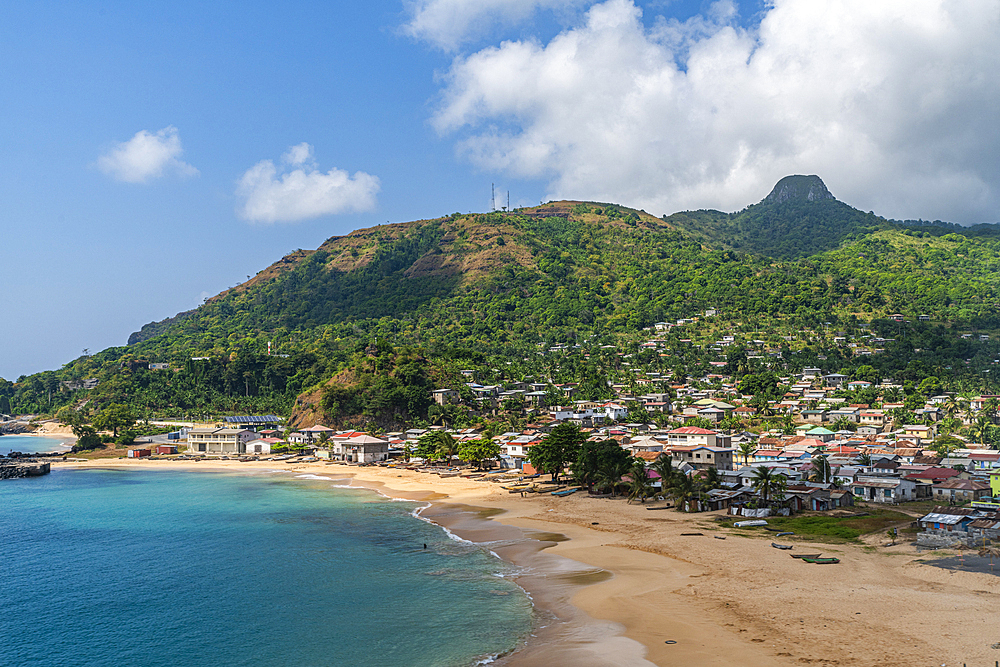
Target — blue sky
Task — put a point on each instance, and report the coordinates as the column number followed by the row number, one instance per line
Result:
column 156, row 154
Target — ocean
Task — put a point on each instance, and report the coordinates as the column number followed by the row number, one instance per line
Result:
column 31, row 444
column 167, row 568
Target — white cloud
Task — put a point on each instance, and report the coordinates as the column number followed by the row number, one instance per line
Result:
column 303, row 192
column 146, row 156
column 893, row 103
column 449, row 23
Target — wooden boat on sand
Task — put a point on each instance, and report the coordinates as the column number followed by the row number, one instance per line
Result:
column 781, row 546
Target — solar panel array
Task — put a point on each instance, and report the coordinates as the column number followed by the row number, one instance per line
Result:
column 253, row 419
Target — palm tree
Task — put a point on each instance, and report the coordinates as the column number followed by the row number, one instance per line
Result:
column 639, row 487
column 709, row 479
column 990, row 409
column 664, row 467
column 981, row 429
column 766, row 482
column 446, row 446
column 894, row 395
column 821, row 470
column 683, row 490
column 612, row 474
column 865, row 459
column 746, row 449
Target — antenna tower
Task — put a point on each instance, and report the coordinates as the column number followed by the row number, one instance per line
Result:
column 493, row 197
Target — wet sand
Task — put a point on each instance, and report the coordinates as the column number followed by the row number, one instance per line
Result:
column 614, row 582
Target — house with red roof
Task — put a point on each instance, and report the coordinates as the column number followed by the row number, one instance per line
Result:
column 689, row 436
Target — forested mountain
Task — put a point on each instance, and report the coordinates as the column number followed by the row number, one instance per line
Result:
column 491, row 292
column 797, row 219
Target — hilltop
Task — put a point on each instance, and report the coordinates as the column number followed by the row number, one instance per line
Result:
column 798, row 218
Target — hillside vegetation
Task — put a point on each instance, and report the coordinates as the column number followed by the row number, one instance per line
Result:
column 491, row 292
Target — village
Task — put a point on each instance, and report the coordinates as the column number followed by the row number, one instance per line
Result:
column 827, row 453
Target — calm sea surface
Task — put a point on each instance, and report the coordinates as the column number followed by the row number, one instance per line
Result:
column 150, row 568
column 30, row 444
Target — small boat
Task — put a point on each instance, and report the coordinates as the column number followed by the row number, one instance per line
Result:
column 665, row 507
column 565, row 492
column 787, row 532
column 781, row 546
column 805, row 555
column 691, row 534
column 750, row 524
column 822, row 561
column 719, row 537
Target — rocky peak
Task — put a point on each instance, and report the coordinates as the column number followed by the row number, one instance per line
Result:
column 808, row 188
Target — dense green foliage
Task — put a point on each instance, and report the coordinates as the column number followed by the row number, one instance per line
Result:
column 493, row 292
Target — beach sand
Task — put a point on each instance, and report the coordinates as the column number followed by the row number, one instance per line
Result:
column 614, row 582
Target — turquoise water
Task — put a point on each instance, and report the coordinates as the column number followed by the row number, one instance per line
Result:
column 151, row 568
column 31, row 444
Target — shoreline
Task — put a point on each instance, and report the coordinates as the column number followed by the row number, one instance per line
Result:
column 716, row 599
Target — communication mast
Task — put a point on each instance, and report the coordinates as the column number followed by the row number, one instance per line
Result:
column 493, row 197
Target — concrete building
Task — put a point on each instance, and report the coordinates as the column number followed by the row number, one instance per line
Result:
column 219, row 440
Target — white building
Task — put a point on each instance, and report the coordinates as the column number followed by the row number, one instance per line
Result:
column 219, row 440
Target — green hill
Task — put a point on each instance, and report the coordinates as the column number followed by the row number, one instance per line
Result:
column 797, row 219
column 492, row 292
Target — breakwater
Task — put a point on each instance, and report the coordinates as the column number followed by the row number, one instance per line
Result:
column 20, row 470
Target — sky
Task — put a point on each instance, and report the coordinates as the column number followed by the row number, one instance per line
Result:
column 155, row 154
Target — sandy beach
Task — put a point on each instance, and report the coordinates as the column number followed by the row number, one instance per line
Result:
column 614, row 583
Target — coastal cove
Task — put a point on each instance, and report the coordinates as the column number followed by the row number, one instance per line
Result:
column 714, row 598
column 34, row 444
column 112, row 566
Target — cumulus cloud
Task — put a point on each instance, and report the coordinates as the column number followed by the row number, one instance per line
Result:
column 146, row 156
column 449, row 23
column 301, row 191
column 893, row 103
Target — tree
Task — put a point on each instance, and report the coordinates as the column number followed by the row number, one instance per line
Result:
column 114, row 417
column 557, row 449
column 759, row 384
column 86, row 438
column 866, row 373
column 746, row 450
column 946, row 444
column 436, row 445
column 865, row 459
column 639, row 486
column 930, row 386
column 596, row 457
column 843, row 423
column 821, row 470
column 685, row 489
column 4, row 405
column 611, row 475
column 664, row 467
column 447, row 447
column 479, row 450
column 766, row 482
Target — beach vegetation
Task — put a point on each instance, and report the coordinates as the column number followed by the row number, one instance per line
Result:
column 557, row 450
column 639, row 486
column 478, row 451
column 114, row 417
column 769, row 484
column 596, row 457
